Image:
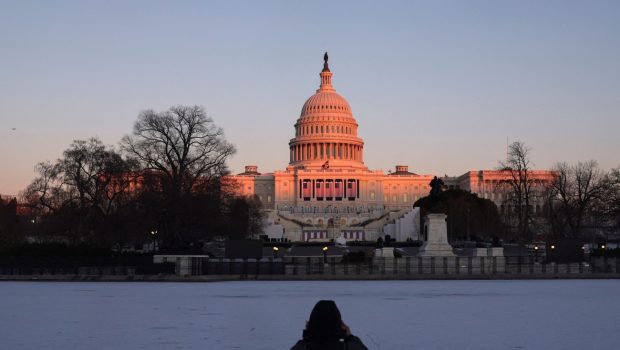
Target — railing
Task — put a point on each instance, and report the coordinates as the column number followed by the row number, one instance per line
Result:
column 405, row 267
column 520, row 266
column 153, row 269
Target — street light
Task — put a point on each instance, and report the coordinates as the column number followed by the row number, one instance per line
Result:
column 535, row 253
column 153, row 234
column 551, row 256
column 325, row 249
column 275, row 252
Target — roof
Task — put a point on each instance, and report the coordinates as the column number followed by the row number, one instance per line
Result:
column 250, row 173
column 403, row 173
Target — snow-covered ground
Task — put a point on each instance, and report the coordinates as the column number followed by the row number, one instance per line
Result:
column 564, row 314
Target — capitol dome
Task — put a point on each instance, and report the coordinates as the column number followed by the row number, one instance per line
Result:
column 326, row 131
column 326, row 101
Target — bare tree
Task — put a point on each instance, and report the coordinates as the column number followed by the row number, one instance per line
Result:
column 520, row 185
column 613, row 199
column 181, row 144
column 576, row 188
column 42, row 194
column 606, row 207
column 83, row 189
column 187, row 153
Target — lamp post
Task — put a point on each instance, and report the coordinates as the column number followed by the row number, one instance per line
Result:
column 153, row 235
column 552, row 258
column 536, row 253
column 325, row 249
column 275, row 252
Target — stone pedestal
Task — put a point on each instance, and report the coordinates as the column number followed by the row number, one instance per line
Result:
column 435, row 236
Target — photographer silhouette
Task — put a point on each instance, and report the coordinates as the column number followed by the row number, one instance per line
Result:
column 326, row 331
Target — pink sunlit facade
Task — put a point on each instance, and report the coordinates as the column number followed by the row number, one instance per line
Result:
column 327, row 191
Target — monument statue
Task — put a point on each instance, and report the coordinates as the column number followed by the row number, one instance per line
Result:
column 436, row 185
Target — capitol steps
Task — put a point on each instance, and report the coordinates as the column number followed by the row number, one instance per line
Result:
column 381, row 222
column 292, row 230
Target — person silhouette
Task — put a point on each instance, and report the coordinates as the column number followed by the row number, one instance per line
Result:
column 326, row 331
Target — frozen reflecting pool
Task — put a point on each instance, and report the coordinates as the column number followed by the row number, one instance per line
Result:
column 556, row 314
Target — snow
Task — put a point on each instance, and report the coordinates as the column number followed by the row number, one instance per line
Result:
column 550, row 314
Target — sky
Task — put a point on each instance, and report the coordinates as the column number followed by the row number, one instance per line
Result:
column 441, row 86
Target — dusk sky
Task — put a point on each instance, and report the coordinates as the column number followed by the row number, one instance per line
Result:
column 437, row 85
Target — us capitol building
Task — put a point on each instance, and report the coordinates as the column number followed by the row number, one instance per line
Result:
column 327, row 192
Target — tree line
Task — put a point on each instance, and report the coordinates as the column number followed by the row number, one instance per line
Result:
column 580, row 200
column 163, row 184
